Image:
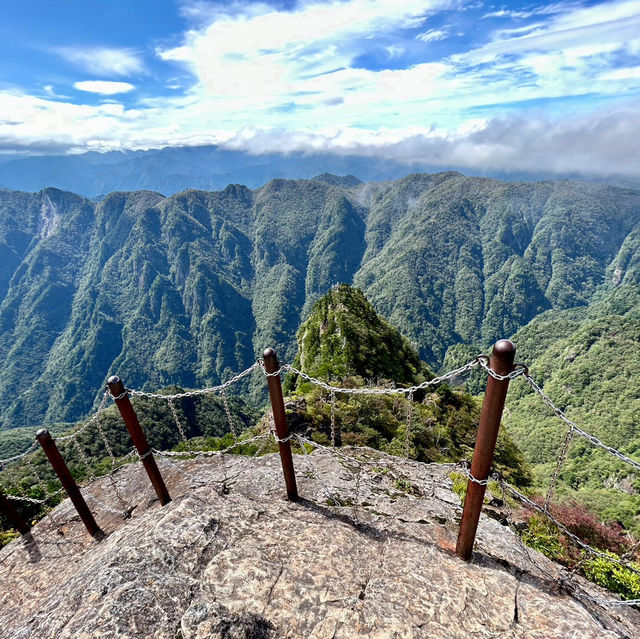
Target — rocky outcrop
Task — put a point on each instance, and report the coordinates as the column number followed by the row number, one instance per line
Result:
column 367, row 552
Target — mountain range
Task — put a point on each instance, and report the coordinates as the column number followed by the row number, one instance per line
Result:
column 188, row 289
column 169, row 170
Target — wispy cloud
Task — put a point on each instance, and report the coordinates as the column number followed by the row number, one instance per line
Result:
column 365, row 75
column 611, row 23
column 432, row 35
column 104, row 87
column 104, row 61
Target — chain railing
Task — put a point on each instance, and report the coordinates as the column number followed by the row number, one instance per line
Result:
column 499, row 371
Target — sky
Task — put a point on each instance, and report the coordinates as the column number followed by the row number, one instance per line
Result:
column 547, row 87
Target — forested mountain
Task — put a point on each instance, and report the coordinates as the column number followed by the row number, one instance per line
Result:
column 190, row 288
column 588, row 360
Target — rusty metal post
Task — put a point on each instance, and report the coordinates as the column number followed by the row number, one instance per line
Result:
column 7, row 509
column 68, row 482
column 502, row 363
column 138, row 437
column 280, row 419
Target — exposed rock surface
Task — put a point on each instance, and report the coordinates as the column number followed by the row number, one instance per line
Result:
column 231, row 557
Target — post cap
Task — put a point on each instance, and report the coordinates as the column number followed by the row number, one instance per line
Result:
column 42, row 432
column 504, row 347
column 114, row 379
column 269, row 352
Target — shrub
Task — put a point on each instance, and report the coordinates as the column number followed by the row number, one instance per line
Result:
column 613, row 576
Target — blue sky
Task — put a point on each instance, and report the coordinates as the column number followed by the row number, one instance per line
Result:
column 551, row 87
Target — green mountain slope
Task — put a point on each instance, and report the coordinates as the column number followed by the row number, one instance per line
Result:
column 588, row 362
column 188, row 289
column 344, row 341
column 345, row 337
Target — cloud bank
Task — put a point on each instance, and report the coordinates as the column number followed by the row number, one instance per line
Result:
column 554, row 88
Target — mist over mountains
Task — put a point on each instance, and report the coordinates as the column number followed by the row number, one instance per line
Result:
column 172, row 169
column 188, row 289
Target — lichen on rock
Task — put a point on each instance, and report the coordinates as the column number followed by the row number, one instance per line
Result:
column 358, row 555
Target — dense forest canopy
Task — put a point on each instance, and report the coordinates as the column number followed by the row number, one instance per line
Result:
column 189, row 289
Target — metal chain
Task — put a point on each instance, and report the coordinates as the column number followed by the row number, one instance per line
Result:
column 8, row 460
column 284, row 368
column 211, row 453
column 174, row 412
column 91, row 497
column 518, row 370
column 407, row 439
column 333, row 418
column 471, row 478
column 333, row 501
column 382, row 391
column 227, row 410
column 594, row 440
column 84, row 458
column 105, row 441
column 90, row 422
column 559, row 464
column 532, row 504
column 31, row 500
column 202, row 391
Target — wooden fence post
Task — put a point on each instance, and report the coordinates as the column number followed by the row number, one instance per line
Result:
column 280, row 419
column 7, row 509
column 68, row 482
column 121, row 398
column 502, row 363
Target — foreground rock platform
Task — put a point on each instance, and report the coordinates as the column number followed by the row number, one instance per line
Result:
column 366, row 552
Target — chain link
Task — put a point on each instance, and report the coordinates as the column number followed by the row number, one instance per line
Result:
column 381, row 391
column 31, row 500
column 227, row 410
column 84, row 458
column 518, row 370
column 333, row 418
column 284, row 368
column 210, row 453
column 176, row 419
column 202, row 391
column 9, row 460
column 559, row 464
column 590, row 549
column 407, row 438
column 90, row 421
column 333, row 500
column 594, row 440
column 94, row 499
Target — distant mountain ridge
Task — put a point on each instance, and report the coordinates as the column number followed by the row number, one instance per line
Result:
column 188, row 289
column 173, row 169
column 209, row 167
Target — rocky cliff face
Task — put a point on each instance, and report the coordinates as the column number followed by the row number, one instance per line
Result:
column 367, row 551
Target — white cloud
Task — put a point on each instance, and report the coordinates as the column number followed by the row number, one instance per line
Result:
column 104, row 61
column 627, row 73
column 433, row 35
column 601, row 143
column 272, row 80
column 103, row 87
column 269, row 56
column 395, row 51
column 616, row 23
